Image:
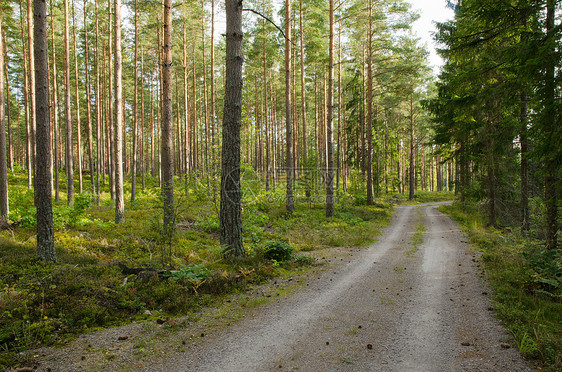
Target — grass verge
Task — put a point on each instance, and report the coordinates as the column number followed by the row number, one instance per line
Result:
column 92, row 285
column 527, row 283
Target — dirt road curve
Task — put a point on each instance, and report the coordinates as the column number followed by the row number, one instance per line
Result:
column 392, row 307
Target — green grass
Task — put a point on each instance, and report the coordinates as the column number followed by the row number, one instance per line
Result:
column 423, row 197
column 49, row 304
column 527, row 286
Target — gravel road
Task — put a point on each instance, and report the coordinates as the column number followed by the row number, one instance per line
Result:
column 392, row 307
column 395, row 306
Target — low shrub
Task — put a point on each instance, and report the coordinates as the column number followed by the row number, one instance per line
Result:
column 278, row 251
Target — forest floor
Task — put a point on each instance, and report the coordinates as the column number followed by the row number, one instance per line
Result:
column 412, row 301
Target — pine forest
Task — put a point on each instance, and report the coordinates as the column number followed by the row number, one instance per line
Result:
column 159, row 155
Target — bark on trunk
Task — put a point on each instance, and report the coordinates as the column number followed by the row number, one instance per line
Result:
column 99, row 147
column 77, row 104
column 288, row 109
column 412, row 160
column 167, row 156
column 369, row 164
column 524, row 164
column 119, row 197
column 230, row 208
column 549, row 126
column 4, row 206
column 56, row 147
column 330, row 119
column 28, row 149
column 32, row 81
column 88, row 103
column 8, row 121
column 43, row 201
column 67, row 114
column 135, row 112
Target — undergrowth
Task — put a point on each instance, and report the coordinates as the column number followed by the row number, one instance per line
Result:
column 90, row 288
column 527, row 282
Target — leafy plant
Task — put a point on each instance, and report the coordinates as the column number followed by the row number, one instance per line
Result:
column 547, row 270
column 82, row 202
column 188, row 273
column 278, row 251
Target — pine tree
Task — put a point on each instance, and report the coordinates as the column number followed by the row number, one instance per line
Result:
column 4, row 203
column 230, row 207
column 118, row 109
column 43, row 201
column 166, row 130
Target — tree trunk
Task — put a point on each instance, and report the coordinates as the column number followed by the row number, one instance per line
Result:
column 167, row 149
column 31, row 81
column 264, row 109
column 29, row 148
column 185, row 149
column 88, row 103
column 67, row 114
column 56, row 148
column 230, row 207
column 412, row 177
column 43, row 201
column 4, row 205
column 330, row 119
column 135, row 112
column 370, row 200
column 549, row 126
column 8, row 117
column 288, row 112
column 363, row 150
column 143, row 136
column 339, row 135
column 212, row 68
column 119, row 197
column 491, row 176
column 77, row 103
column 524, row 141
column 205, row 102
column 99, row 147
column 109, row 110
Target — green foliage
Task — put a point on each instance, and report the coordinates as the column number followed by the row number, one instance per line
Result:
column 546, row 269
column 526, row 281
column 45, row 304
column 278, row 251
column 82, row 202
column 188, row 274
column 22, row 209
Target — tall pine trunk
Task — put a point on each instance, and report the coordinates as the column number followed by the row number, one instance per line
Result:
column 288, row 108
column 88, row 102
column 8, row 117
column 230, row 207
column 330, row 119
column 69, row 164
column 99, row 147
column 32, row 84
column 29, row 148
column 524, row 141
column 549, row 130
column 135, row 112
column 119, row 197
column 77, row 103
column 412, row 177
column 370, row 199
column 43, row 201
column 56, row 148
column 4, row 205
column 167, row 149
